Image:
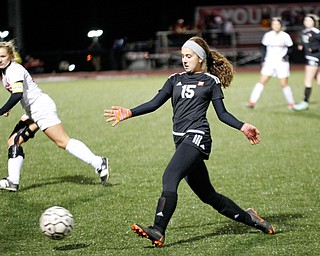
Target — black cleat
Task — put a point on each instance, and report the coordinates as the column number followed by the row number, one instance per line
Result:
column 260, row 223
column 149, row 232
column 104, row 171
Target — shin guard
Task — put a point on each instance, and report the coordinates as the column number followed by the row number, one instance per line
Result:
column 166, row 206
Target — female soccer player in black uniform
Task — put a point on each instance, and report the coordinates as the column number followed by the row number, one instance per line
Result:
column 191, row 92
column 310, row 43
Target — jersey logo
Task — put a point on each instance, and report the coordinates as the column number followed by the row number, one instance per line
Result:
column 200, row 83
column 305, row 38
column 160, row 214
column 179, row 84
column 8, row 87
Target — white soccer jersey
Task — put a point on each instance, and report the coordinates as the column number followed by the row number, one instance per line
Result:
column 277, row 45
column 16, row 72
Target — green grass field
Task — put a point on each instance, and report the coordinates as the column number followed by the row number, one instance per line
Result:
column 279, row 177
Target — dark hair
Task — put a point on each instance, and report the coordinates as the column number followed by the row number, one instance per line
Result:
column 277, row 19
column 315, row 19
column 217, row 64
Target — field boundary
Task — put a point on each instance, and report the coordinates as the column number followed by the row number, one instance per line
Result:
column 65, row 76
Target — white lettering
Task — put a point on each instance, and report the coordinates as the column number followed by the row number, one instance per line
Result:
column 252, row 14
column 240, row 17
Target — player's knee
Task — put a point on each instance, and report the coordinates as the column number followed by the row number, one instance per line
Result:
column 25, row 134
column 61, row 143
column 28, row 134
column 15, row 151
column 22, row 130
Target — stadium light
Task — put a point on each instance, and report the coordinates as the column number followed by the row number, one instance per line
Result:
column 95, row 33
column 4, row 34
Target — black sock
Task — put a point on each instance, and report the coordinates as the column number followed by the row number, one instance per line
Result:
column 234, row 212
column 307, row 93
column 166, row 206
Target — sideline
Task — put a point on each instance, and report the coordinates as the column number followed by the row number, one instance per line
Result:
column 67, row 76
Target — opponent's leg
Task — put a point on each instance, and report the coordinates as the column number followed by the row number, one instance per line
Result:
column 78, row 149
column 255, row 95
column 287, row 91
column 257, row 91
column 22, row 132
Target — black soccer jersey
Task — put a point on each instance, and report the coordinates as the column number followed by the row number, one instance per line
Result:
column 311, row 44
column 191, row 95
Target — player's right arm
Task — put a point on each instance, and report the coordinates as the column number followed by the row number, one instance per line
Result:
column 118, row 113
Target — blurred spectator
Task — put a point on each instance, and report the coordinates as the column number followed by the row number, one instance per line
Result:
column 179, row 27
column 209, row 22
column 179, row 33
column 228, row 30
column 64, row 66
column 216, row 24
column 118, row 53
column 265, row 20
column 287, row 20
column 33, row 65
column 95, row 52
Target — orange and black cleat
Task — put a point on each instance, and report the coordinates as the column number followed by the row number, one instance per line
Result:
column 260, row 223
column 149, row 232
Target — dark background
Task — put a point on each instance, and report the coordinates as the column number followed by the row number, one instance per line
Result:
column 50, row 27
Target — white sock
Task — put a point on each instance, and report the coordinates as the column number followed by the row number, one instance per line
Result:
column 256, row 92
column 288, row 94
column 14, row 169
column 81, row 151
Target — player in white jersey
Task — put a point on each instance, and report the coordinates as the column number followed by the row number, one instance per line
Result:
column 41, row 113
column 277, row 46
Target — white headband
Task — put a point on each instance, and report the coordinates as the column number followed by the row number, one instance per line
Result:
column 196, row 48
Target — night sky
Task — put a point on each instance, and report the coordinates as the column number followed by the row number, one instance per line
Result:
column 49, row 25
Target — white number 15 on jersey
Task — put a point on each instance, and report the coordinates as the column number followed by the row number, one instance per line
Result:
column 187, row 90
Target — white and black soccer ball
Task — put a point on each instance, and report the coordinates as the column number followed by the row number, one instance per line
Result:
column 56, row 222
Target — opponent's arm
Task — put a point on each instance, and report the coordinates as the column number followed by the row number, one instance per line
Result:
column 16, row 96
column 12, row 101
column 263, row 53
column 289, row 53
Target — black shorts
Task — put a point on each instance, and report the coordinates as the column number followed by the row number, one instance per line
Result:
column 312, row 60
column 312, row 63
column 202, row 142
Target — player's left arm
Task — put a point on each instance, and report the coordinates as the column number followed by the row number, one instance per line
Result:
column 224, row 116
column 16, row 96
column 250, row 131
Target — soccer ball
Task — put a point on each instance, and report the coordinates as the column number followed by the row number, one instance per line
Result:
column 56, row 222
